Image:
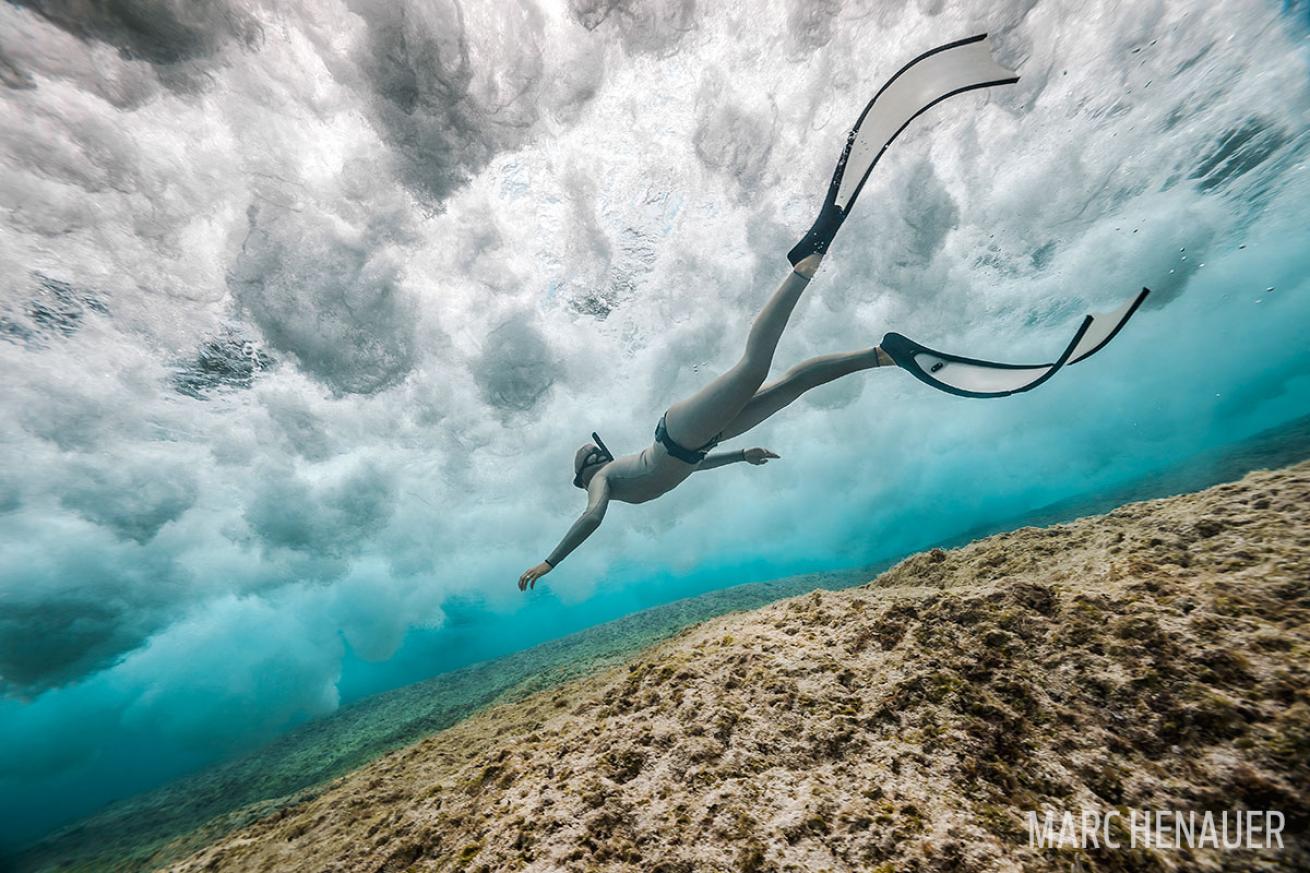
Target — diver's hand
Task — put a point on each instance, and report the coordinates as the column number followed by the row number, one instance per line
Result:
column 757, row 456
column 530, row 577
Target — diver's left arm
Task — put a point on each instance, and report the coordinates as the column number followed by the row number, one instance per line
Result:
column 598, row 498
column 750, row 456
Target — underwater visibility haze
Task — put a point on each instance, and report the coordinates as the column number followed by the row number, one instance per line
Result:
column 306, row 308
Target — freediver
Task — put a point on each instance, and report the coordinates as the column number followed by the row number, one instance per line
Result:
column 739, row 400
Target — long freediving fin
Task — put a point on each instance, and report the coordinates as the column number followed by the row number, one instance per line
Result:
column 964, row 65
column 970, row 377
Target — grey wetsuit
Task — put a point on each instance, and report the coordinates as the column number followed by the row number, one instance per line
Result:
column 645, row 475
column 628, row 479
column 729, row 406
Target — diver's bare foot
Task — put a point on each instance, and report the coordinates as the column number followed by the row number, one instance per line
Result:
column 884, row 359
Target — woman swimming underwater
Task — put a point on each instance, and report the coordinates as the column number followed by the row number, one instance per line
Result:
column 739, row 400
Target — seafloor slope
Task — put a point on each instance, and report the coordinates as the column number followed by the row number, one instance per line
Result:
column 168, row 823
column 1152, row 658
column 158, row 827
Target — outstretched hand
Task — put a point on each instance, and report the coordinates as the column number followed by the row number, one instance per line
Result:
column 758, row 456
column 530, row 577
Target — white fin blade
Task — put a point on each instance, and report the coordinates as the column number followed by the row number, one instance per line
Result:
column 914, row 89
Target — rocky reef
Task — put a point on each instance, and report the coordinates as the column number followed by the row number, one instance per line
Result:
column 156, row 828
column 1155, row 657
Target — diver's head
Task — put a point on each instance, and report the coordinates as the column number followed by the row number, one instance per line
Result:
column 587, row 461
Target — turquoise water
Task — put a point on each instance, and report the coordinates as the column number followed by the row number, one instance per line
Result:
column 290, row 768
column 304, row 318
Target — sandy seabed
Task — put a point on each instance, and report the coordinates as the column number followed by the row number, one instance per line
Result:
column 1151, row 658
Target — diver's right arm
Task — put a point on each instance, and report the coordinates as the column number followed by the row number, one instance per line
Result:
column 598, row 498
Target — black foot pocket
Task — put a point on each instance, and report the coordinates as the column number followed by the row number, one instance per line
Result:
column 819, row 237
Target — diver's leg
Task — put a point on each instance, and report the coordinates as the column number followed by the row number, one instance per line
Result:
column 698, row 419
column 801, row 378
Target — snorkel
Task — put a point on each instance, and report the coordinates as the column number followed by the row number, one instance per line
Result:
column 604, row 449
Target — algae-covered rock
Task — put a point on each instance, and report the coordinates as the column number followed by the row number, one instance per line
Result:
column 1152, row 658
